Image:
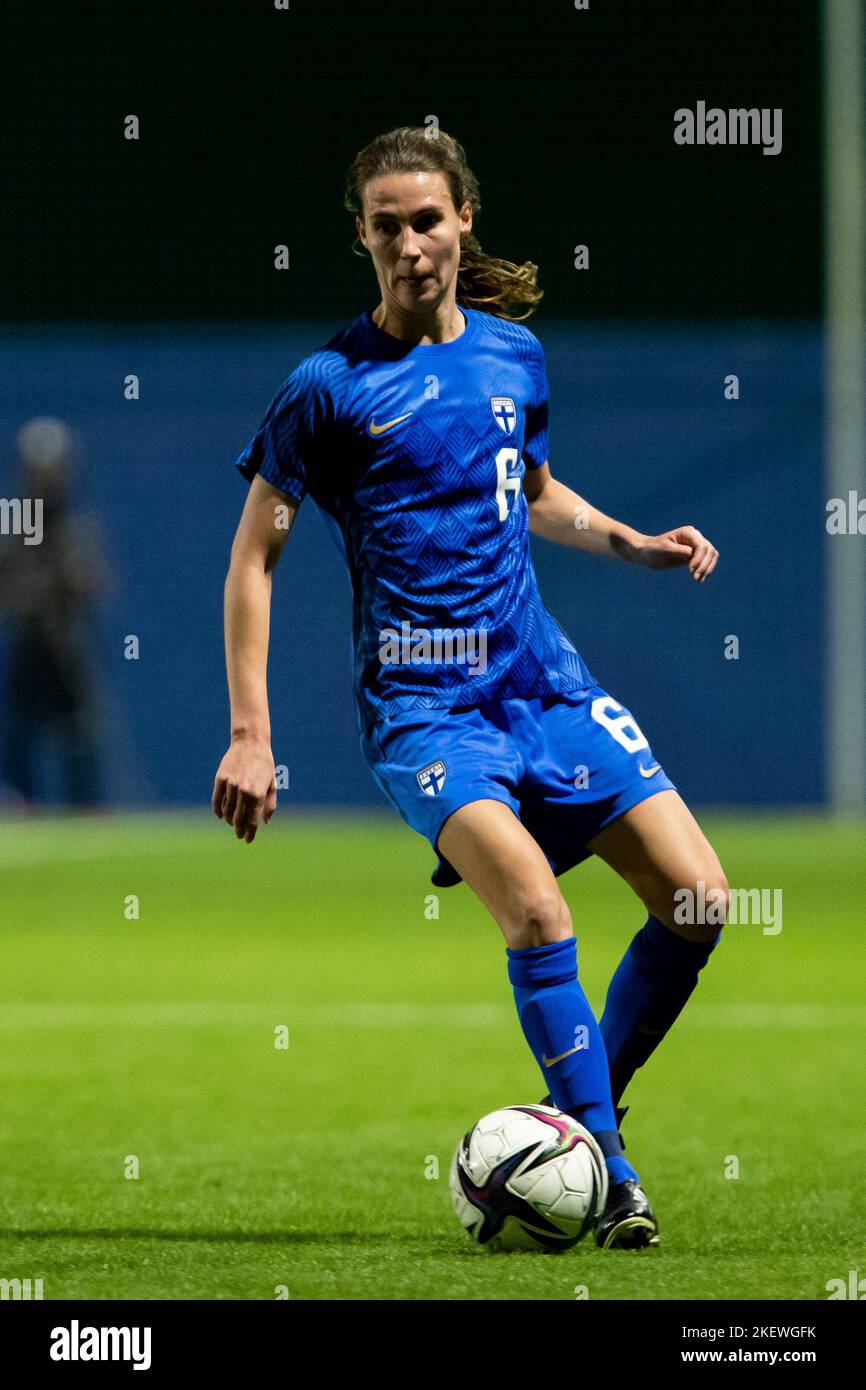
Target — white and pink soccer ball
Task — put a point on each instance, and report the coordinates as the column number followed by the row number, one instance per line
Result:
column 528, row 1177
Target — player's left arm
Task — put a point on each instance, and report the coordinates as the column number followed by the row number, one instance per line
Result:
column 558, row 514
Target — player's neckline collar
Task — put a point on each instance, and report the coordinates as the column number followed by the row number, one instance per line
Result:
column 402, row 346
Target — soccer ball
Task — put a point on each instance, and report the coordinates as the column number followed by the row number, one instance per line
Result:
column 528, row 1177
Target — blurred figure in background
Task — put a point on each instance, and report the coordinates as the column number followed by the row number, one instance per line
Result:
column 47, row 599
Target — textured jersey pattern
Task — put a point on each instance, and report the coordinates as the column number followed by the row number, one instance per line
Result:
column 416, row 457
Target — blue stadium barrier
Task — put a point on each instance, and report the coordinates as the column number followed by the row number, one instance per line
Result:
column 639, row 425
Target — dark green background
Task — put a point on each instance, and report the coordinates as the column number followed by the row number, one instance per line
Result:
column 250, row 117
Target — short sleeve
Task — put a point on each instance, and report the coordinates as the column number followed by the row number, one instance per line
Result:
column 289, row 441
column 535, row 443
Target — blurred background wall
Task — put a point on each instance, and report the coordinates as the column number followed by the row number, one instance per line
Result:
column 640, row 425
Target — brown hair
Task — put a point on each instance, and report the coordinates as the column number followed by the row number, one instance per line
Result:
column 483, row 282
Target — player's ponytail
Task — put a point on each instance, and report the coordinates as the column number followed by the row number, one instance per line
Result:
column 484, row 282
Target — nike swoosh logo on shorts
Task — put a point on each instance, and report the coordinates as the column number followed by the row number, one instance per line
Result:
column 389, row 424
column 650, row 771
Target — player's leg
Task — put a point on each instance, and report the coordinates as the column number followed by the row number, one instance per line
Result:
column 659, row 849
column 504, row 866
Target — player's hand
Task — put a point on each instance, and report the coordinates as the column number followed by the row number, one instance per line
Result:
column 245, row 788
column 683, row 546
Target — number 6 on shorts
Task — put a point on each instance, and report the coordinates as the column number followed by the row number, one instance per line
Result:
column 623, row 728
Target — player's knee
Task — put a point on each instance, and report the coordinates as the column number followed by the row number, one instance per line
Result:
column 539, row 918
column 698, row 909
column 717, row 898
column 722, row 893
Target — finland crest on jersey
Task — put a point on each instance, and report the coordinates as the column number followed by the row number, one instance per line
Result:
column 504, row 413
column 432, row 779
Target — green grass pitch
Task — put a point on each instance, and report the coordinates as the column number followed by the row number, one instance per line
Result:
column 307, row 1167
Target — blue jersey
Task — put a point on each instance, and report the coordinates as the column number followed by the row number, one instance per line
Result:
column 416, row 456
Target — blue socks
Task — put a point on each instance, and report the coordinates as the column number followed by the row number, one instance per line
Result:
column 649, row 988
column 567, row 1043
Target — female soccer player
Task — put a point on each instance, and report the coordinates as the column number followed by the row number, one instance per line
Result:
column 420, row 430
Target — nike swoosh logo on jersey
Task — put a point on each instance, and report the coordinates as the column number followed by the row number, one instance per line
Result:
column 389, row 424
column 650, row 771
column 551, row 1061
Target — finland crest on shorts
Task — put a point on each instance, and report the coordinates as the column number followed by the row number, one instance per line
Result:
column 504, row 412
column 432, row 779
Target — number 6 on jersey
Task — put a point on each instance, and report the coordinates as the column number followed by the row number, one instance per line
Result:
column 504, row 482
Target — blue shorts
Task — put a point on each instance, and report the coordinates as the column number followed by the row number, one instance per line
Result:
column 566, row 764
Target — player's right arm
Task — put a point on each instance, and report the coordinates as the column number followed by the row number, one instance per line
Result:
column 245, row 790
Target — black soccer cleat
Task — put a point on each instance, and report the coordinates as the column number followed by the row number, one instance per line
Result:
column 627, row 1222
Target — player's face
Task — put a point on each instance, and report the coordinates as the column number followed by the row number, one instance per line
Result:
column 412, row 231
